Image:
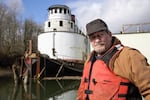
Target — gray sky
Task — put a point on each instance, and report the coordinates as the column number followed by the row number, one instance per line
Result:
column 114, row 12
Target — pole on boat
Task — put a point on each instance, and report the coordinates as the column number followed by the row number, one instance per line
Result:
column 53, row 49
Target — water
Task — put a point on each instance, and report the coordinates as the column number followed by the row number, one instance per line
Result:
column 38, row 90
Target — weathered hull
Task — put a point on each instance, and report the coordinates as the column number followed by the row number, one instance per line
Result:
column 58, row 68
column 44, row 67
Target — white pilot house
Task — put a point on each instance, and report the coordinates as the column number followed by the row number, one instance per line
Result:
column 62, row 38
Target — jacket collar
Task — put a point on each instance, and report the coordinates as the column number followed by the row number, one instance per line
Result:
column 115, row 40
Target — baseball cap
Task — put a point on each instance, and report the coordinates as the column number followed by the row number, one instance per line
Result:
column 95, row 26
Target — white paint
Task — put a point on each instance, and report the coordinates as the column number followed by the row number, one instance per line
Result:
column 67, row 45
column 66, row 40
column 138, row 41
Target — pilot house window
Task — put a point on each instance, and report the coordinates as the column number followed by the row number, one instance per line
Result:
column 60, row 10
column 60, row 23
column 49, row 24
column 55, row 10
column 71, row 25
column 64, row 11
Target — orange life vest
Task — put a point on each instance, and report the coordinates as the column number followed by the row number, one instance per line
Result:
column 104, row 84
column 100, row 83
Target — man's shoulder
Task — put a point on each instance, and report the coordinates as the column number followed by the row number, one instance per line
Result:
column 130, row 49
column 129, row 52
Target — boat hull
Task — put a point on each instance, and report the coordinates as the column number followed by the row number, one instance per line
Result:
column 44, row 67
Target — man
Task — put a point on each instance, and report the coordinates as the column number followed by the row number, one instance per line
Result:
column 113, row 71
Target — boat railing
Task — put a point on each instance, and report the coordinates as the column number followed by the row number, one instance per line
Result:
column 136, row 28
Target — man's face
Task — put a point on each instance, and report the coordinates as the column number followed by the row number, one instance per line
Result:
column 101, row 41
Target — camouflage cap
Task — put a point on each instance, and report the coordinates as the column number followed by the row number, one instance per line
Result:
column 95, row 26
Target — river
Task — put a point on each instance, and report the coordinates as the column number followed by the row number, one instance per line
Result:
column 38, row 90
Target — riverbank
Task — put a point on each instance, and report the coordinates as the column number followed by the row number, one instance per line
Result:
column 5, row 72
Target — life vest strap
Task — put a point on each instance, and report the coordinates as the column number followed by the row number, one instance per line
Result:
column 124, row 87
column 88, row 91
column 86, row 80
column 125, row 83
column 122, row 95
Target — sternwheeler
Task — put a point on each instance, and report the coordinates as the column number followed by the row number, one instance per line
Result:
column 62, row 48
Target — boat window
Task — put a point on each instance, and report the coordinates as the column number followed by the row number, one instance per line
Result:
column 51, row 11
column 60, row 10
column 64, row 11
column 55, row 10
column 60, row 23
column 71, row 25
column 49, row 24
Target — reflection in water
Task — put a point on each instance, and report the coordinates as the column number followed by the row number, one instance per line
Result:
column 69, row 95
column 39, row 90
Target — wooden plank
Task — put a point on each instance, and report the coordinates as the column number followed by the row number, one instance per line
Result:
column 63, row 78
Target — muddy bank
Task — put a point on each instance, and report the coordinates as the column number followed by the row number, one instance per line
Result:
column 6, row 72
column 6, row 63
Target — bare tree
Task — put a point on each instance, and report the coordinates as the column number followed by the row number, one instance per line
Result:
column 9, row 30
column 14, row 33
column 31, row 31
column 3, row 13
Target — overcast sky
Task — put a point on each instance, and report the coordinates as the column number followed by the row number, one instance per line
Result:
column 114, row 12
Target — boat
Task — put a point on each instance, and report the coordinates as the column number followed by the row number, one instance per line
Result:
column 136, row 36
column 62, row 48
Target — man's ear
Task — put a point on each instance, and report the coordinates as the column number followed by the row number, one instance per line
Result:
column 109, row 32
